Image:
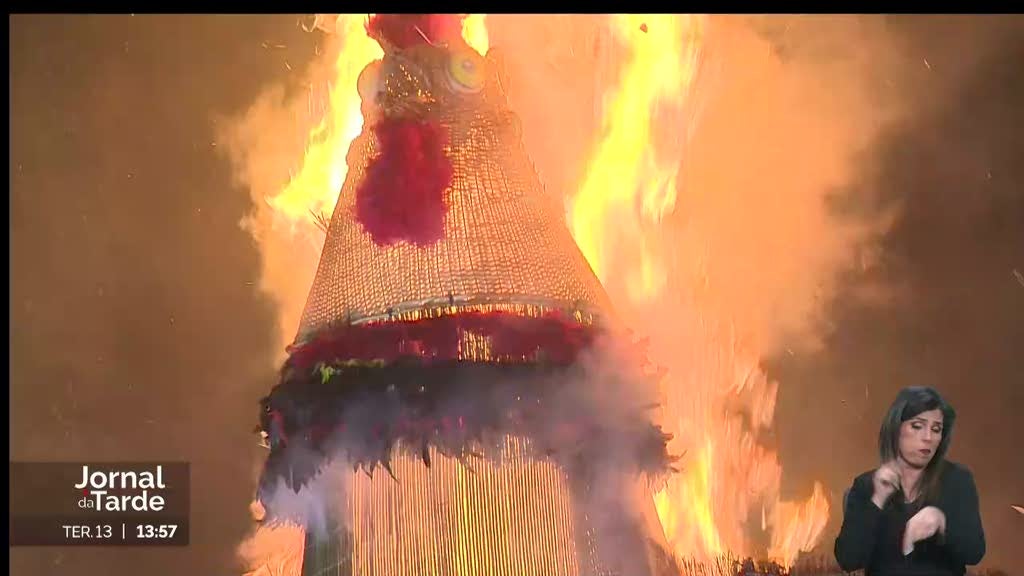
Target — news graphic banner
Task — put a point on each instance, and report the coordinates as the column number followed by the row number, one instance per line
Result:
column 99, row 504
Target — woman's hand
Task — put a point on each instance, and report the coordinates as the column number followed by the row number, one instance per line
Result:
column 923, row 525
column 886, row 481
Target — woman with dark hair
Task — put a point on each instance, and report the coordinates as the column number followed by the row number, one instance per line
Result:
column 917, row 513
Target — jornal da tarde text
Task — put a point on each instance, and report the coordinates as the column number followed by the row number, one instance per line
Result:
column 99, row 484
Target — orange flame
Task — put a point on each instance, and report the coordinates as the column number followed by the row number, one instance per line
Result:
column 310, row 195
column 625, row 170
column 314, row 189
column 715, row 398
column 474, row 32
column 272, row 550
column 301, row 210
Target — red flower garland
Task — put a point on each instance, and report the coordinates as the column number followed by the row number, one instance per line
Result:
column 514, row 336
column 402, row 196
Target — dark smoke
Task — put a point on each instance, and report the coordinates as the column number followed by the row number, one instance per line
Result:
column 943, row 303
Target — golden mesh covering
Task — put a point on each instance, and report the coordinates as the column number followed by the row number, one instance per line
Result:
column 505, row 240
column 516, row 518
column 506, row 249
column 474, row 346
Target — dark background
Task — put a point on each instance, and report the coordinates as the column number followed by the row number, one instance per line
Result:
column 137, row 331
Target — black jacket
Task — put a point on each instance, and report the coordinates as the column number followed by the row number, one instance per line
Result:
column 870, row 538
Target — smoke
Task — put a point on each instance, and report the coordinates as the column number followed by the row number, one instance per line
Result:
column 590, row 420
column 768, row 221
column 783, row 130
column 953, row 311
column 320, row 507
column 265, row 146
column 787, row 105
column 754, row 249
column 595, row 411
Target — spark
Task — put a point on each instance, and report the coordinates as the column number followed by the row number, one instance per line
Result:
column 1020, row 277
column 927, row 65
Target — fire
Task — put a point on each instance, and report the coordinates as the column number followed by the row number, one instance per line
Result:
column 314, row 189
column 715, row 398
column 474, row 32
column 478, row 524
column 273, row 551
column 313, row 192
column 294, row 217
column 798, row 526
column 626, row 171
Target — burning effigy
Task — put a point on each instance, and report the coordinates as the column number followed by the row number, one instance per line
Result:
column 453, row 317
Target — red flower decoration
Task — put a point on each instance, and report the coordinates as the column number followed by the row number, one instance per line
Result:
column 402, row 196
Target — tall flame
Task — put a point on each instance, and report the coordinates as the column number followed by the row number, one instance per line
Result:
column 626, row 172
column 310, row 195
column 308, row 200
column 715, row 398
column 314, row 189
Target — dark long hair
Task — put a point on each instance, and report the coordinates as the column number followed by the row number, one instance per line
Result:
column 910, row 402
